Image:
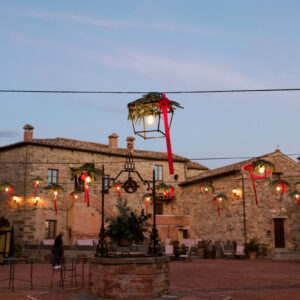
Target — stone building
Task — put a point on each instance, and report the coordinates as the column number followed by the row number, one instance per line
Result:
column 274, row 222
column 53, row 161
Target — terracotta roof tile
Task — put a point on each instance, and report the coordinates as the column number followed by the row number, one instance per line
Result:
column 97, row 148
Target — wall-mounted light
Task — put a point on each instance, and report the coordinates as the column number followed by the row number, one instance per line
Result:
column 237, row 193
column 16, row 200
column 36, row 201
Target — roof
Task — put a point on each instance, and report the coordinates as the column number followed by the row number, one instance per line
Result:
column 195, row 166
column 227, row 170
column 71, row 144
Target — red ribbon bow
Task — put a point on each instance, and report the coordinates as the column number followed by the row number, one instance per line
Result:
column 250, row 169
column 10, row 191
column 118, row 187
column 55, row 207
column 165, row 106
column 283, row 187
column 216, row 202
column 86, row 189
column 35, row 188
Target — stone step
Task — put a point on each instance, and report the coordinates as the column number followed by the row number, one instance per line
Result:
column 285, row 254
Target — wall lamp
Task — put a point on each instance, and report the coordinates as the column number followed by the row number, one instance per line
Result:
column 16, row 200
column 237, row 193
column 36, row 201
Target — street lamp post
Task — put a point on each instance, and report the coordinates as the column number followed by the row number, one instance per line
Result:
column 130, row 186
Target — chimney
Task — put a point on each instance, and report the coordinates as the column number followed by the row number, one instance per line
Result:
column 113, row 140
column 28, row 132
column 130, row 143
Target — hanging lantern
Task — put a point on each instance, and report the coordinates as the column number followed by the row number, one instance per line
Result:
column 54, row 189
column 279, row 186
column 74, row 195
column 217, row 200
column 147, row 199
column 88, row 174
column 118, row 187
column 259, row 169
column 35, row 182
column 296, row 195
column 7, row 188
column 146, row 115
column 206, row 189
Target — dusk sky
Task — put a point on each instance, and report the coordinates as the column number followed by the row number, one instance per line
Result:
column 157, row 45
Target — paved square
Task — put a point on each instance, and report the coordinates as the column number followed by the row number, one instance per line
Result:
column 194, row 279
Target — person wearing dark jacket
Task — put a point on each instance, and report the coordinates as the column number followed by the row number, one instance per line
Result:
column 58, row 251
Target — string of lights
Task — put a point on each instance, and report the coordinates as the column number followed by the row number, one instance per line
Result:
column 145, row 92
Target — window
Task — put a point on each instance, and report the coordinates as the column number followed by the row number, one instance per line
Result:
column 79, row 185
column 158, row 172
column 50, row 228
column 52, row 176
column 159, row 208
column 106, row 184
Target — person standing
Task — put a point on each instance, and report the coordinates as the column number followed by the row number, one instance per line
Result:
column 58, row 251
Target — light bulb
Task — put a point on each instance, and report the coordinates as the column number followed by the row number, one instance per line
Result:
column 261, row 170
column 75, row 196
column 206, row 189
column 6, row 189
column 297, row 196
column 55, row 193
column 37, row 182
column 150, row 120
column 278, row 188
column 88, row 179
column 220, row 199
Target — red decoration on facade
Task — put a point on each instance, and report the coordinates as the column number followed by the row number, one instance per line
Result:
column 86, row 180
column 55, row 207
column 165, row 105
column 283, row 188
column 118, row 187
column 10, row 191
column 215, row 200
column 298, row 198
column 250, row 168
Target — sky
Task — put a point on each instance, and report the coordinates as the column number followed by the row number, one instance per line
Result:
column 157, row 45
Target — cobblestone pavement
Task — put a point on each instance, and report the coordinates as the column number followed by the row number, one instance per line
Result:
column 194, row 279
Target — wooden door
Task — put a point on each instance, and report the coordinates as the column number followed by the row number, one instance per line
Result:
column 279, row 233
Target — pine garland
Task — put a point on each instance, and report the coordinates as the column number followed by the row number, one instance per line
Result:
column 147, row 105
column 89, row 169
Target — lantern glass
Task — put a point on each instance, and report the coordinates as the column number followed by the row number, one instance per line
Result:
column 151, row 125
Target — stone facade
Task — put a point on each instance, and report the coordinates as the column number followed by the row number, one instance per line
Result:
column 229, row 225
column 22, row 162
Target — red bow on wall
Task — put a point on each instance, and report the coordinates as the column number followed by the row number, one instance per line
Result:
column 10, row 191
column 250, row 169
column 84, row 177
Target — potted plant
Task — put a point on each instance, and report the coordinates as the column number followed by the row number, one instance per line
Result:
column 252, row 248
column 127, row 226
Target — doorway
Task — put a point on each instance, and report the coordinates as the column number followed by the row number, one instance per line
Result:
column 279, row 233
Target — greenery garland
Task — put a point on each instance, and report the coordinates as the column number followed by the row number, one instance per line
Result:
column 36, row 179
column 89, row 169
column 52, row 187
column 262, row 163
column 147, row 105
column 297, row 186
column 5, row 185
column 220, row 197
column 206, row 188
column 278, row 182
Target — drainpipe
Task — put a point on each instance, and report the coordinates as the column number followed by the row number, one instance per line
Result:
column 244, row 207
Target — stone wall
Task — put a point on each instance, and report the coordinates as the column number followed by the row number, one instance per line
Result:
column 144, row 277
column 229, row 226
column 74, row 217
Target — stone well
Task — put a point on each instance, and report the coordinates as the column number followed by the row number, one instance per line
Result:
column 130, row 277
